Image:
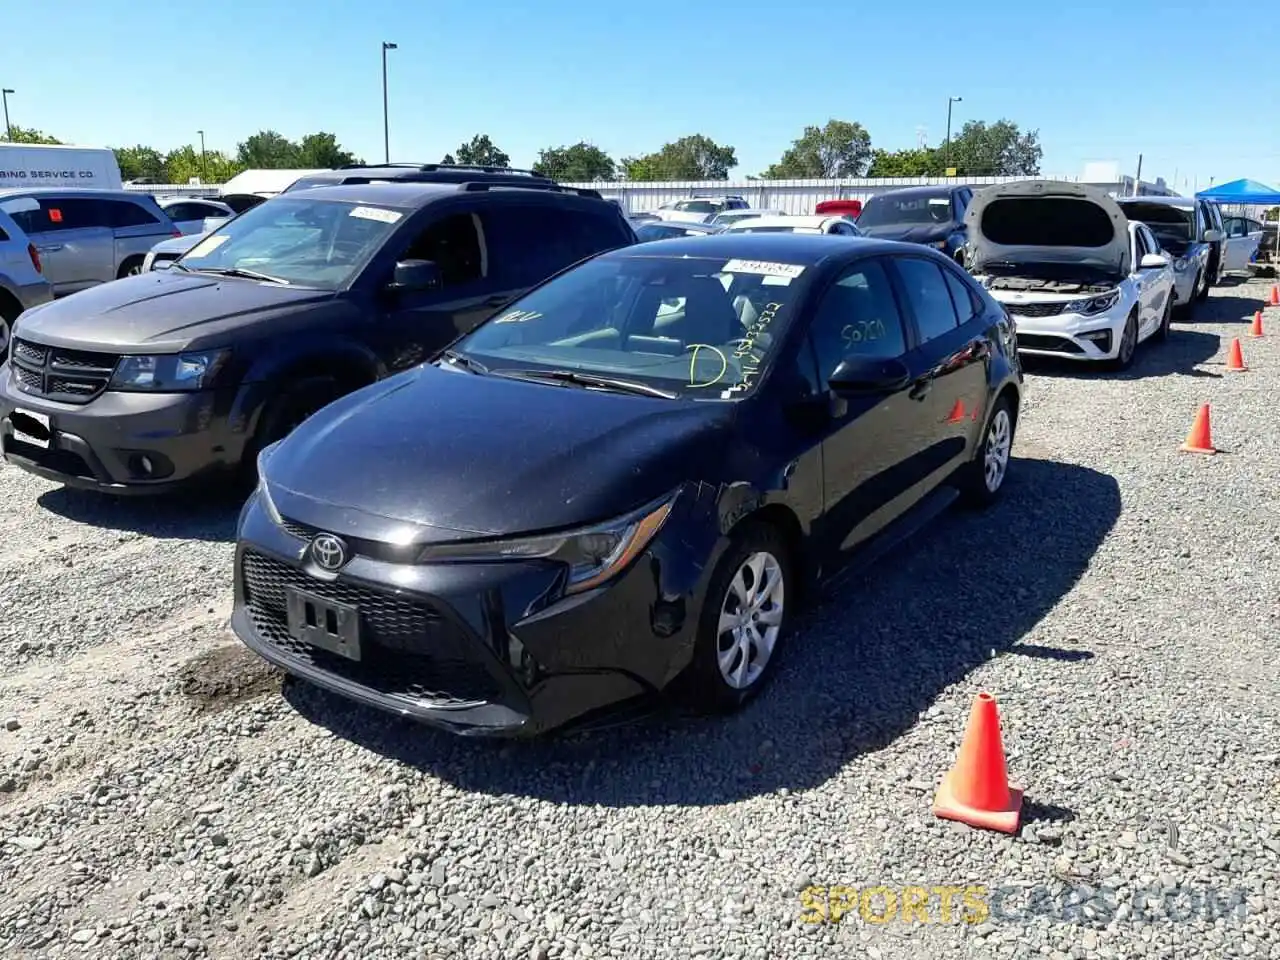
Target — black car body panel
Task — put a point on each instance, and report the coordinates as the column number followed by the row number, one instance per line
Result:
column 260, row 337
column 441, row 457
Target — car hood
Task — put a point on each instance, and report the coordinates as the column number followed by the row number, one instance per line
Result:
column 162, row 311
column 433, row 455
column 180, row 244
column 1047, row 221
column 910, row 232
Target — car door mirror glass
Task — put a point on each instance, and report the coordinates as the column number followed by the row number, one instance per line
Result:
column 411, row 276
column 866, row 376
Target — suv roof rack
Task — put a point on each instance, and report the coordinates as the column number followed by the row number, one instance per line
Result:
column 478, row 186
column 433, row 167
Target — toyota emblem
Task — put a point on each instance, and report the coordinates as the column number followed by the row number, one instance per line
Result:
column 328, row 552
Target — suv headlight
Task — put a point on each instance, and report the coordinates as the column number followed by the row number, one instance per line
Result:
column 168, row 373
column 1091, row 305
column 592, row 554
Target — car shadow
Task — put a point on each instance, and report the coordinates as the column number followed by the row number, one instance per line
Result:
column 860, row 669
column 1180, row 355
column 208, row 515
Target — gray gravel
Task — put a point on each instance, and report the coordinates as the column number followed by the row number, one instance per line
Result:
column 160, row 797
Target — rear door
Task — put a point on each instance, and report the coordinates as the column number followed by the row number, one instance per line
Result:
column 137, row 227
column 1240, row 244
column 868, row 448
column 71, row 236
column 951, row 356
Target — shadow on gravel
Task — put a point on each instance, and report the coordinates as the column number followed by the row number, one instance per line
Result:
column 204, row 516
column 1177, row 356
column 857, row 673
column 1051, row 653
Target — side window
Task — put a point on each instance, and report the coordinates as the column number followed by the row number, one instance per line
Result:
column 928, row 295
column 184, row 211
column 72, row 213
column 1139, row 247
column 3, row 236
column 455, row 245
column 962, row 298
column 528, row 242
column 1153, row 244
column 122, row 213
column 857, row 316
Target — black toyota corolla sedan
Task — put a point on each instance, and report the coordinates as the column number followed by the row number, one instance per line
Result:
column 625, row 479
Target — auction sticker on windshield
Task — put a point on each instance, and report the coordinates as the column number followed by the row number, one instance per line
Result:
column 375, row 213
column 789, row 271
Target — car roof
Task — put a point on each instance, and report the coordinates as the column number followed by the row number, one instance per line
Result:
column 786, row 220
column 411, row 194
column 71, row 191
column 1167, row 201
column 806, row 249
column 931, row 191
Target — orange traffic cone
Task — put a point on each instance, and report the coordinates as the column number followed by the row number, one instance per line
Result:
column 957, row 412
column 1256, row 329
column 976, row 790
column 1199, row 439
column 1235, row 357
column 1275, row 295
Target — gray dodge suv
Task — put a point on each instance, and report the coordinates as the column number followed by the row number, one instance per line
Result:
column 181, row 373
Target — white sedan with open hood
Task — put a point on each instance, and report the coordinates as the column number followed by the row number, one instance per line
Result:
column 1080, row 280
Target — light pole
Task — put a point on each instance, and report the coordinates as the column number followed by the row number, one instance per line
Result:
column 946, row 152
column 386, row 126
column 8, row 130
column 204, row 166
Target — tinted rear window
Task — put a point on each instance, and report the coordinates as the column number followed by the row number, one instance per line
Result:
column 1047, row 222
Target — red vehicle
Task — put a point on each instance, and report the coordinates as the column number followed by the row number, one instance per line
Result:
column 835, row 208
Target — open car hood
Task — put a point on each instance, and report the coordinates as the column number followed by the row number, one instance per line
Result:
column 1047, row 221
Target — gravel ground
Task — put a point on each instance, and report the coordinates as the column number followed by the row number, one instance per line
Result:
column 160, row 797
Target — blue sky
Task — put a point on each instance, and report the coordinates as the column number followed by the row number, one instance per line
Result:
column 629, row 77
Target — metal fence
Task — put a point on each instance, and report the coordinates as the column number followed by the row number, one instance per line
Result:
column 789, row 196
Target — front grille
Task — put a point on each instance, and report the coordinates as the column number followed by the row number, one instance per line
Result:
column 409, row 651
column 69, row 376
column 1035, row 309
column 373, row 549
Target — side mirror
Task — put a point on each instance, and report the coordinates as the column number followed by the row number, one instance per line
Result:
column 412, row 276
column 1154, row 261
column 868, row 376
column 163, row 264
column 1212, row 236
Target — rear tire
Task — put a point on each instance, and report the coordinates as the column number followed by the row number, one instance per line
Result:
column 130, row 268
column 10, row 310
column 296, row 401
column 744, row 620
column 982, row 478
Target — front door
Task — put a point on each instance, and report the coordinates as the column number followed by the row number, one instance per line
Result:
column 867, row 447
column 418, row 325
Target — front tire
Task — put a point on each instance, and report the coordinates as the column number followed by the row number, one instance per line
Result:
column 297, row 401
column 744, row 619
column 130, row 268
column 1162, row 332
column 1202, row 288
column 1128, row 343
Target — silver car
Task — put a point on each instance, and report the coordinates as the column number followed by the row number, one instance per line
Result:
column 195, row 214
column 87, row 237
column 22, row 282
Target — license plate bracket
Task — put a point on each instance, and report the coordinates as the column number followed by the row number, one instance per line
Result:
column 31, row 427
column 326, row 624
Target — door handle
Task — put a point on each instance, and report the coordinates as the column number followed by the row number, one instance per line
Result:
column 51, row 248
column 920, row 389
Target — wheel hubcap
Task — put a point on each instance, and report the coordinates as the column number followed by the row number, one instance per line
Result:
column 750, row 618
column 995, row 459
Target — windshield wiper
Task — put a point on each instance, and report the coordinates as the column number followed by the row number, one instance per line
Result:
column 475, row 366
column 240, row 272
column 588, row 380
column 175, row 265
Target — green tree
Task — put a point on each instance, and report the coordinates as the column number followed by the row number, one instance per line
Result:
column 29, row 135
column 321, row 151
column 140, row 162
column 839, row 149
column 269, row 150
column 999, row 149
column 479, row 151
column 695, row 157
column 580, row 163
column 921, row 162
column 212, row 167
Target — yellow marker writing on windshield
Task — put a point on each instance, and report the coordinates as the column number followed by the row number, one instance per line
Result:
column 693, row 362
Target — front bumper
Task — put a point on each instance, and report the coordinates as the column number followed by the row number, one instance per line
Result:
column 1072, row 336
column 1184, row 284
column 119, row 443
column 471, row 648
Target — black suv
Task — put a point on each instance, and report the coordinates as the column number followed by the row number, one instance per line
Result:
column 418, row 173
column 172, row 376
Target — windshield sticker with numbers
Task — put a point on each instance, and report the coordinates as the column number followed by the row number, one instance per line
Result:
column 788, row 271
column 375, row 213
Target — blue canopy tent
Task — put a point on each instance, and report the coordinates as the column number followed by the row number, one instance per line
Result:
column 1244, row 192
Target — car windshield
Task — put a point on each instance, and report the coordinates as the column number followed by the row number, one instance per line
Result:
column 1167, row 222
column 697, row 327
column 303, row 241
column 750, row 229
column 697, row 206
column 887, row 210
column 662, row 231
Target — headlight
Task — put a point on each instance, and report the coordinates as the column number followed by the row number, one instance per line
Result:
column 1180, row 264
column 1092, row 305
column 168, row 373
column 592, row 554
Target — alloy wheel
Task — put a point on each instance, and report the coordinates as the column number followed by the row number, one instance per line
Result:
column 995, row 457
column 4, row 338
column 1128, row 340
column 750, row 619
